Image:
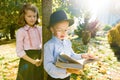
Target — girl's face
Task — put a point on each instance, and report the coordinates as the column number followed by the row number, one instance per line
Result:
column 60, row 30
column 30, row 17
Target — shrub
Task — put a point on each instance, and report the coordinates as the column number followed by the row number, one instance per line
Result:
column 114, row 40
column 87, row 30
column 93, row 27
column 86, row 35
column 107, row 27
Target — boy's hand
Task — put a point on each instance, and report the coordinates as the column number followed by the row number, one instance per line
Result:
column 91, row 56
column 88, row 56
column 75, row 71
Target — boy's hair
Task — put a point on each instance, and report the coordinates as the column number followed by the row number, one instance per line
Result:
column 27, row 6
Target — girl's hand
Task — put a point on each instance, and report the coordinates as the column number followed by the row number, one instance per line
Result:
column 38, row 62
column 75, row 71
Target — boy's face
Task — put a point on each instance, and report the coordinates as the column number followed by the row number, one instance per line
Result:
column 60, row 29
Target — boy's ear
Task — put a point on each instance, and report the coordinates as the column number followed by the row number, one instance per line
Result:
column 51, row 29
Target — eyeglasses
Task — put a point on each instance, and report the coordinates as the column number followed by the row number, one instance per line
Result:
column 60, row 30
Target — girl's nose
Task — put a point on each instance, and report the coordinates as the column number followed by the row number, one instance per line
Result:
column 32, row 18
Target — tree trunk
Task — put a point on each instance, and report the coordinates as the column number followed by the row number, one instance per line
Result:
column 46, row 12
column 12, row 31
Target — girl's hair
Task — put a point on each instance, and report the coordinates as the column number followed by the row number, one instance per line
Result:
column 21, row 20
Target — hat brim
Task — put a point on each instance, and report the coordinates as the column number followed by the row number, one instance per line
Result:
column 71, row 22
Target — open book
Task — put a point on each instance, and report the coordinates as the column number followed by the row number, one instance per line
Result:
column 72, row 63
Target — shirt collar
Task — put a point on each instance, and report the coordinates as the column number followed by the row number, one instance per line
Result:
column 27, row 27
column 58, row 40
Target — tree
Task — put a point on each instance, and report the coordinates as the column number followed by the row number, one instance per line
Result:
column 46, row 12
column 9, row 10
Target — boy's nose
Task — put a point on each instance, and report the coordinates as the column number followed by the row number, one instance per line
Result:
column 64, row 32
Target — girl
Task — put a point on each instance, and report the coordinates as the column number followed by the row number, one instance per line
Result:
column 29, row 44
column 59, row 44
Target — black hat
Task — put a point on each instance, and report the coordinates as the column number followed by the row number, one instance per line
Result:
column 59, row 16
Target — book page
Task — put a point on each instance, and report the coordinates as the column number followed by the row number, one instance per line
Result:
column 70, row 59
column 68, row 65
column 82, row 61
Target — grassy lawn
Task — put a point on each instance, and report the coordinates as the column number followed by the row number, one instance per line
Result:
column 8, row 60
column 108, row 68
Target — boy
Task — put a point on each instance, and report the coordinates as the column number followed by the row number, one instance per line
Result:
column 59, row 44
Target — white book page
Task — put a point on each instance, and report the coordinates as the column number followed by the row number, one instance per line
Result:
column 81, row 61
